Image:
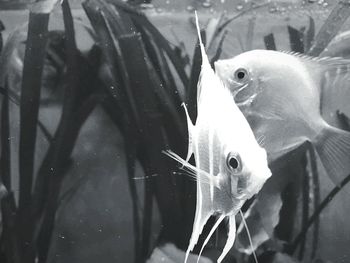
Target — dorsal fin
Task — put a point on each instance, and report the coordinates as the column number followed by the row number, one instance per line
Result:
column 205, row 59
column 327, row 62
column 327, row 70
column 205, row 62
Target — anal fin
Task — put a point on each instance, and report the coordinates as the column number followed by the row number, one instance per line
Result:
column 231, row 236
column 216, row 225
column 198, row 225
column 204, row 210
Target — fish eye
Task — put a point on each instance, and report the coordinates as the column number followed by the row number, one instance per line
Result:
column 233, row 162
column 241, row 74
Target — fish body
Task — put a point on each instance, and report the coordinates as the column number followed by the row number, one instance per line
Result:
column 280, row 95
column 230, row 164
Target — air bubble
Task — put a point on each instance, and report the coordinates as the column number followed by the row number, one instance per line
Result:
column 206, row 4
column 190, row 8
column 273, row 9
column 239, row 7
column 147, row 6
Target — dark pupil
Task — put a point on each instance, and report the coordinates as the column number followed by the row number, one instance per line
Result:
column 233, row 163
column 240, row 75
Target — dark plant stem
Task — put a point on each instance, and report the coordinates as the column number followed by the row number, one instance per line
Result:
column 305, row 202
column 9, row 252
column 5, row 158
column 318, row 211
column 147, row 218
column 130, row 163
column 9, row 243
column 296, row 40
column 269, row 41
column 309, row 35
column 15, row 99
column 316, row 199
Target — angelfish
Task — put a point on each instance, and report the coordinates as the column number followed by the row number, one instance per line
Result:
column 230, row 164
column 280, row 95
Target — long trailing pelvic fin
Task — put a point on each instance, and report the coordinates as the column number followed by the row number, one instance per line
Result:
column 249, row 236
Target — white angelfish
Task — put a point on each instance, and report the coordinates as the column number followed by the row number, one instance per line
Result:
column 280, row 95
column 230, row 164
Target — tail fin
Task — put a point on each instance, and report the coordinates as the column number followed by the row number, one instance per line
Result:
column 333, row 147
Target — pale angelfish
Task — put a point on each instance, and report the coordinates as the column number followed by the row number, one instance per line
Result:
column 280, row 95
column 230, row 167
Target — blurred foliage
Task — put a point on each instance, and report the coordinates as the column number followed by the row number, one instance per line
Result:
column 140, row 80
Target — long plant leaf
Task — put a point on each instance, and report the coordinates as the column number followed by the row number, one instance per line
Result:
column 296, row 40
column 161, row 64
column 141, row 20
column 5, row 161
column 153, row 129
column 8, row 240
column 269, row 41
column 130, row 163
column 309, row 35
column 250, row 34
column 112, row 78
column 30, row 96
column 167, row 92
